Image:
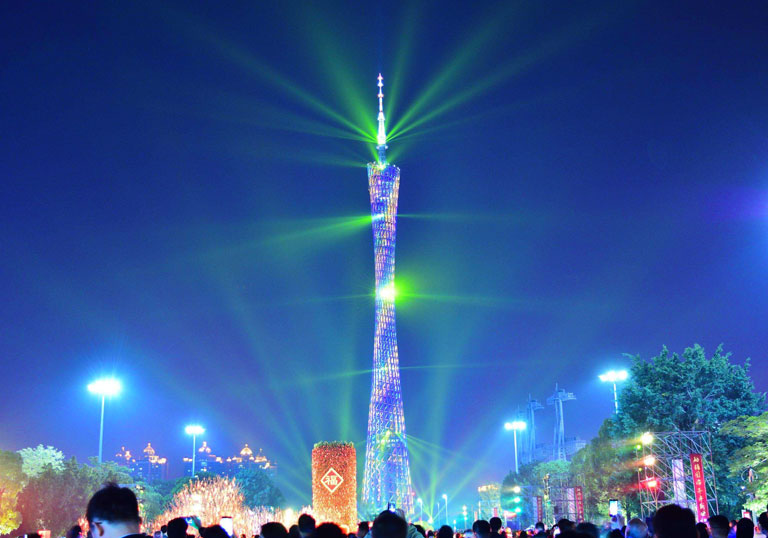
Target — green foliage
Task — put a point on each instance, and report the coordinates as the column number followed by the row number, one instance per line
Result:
column 531, row 479
column 12, row 480
column 54, row 499
column 334, row 444
column 258, row 488
column 37, row 459
column 151, row 501
column 692, row 392
column 753, row 455
column 605, row 468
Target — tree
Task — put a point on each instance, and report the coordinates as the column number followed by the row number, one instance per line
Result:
column 151, row 502
column 12, row 480
column 37, row 459
column 748, row 465
column 604, row 469
column 55, row 500
column 258, row 488
column 692, row 392
column 531, row 481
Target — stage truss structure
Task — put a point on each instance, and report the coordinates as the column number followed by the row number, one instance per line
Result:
column 665, row 476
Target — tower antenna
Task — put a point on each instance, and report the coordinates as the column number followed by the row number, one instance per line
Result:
column 381, row 137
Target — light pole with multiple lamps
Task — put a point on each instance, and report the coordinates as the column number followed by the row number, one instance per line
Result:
column 421, row 509
column 515, row 426
column 194, row 430
column 614, row 376
column 107, row 386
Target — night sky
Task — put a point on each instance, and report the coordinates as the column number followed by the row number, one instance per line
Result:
column 183, row 205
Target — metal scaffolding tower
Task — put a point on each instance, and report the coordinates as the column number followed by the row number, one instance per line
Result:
column 530, row 443
column 557, row 400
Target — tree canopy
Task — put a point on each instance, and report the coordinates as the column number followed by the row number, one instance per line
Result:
column 38, row 458
column 670, row 392
column 258, row 488
column 748, row 465
column 12, row 480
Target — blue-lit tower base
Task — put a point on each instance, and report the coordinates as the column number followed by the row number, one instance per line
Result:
column 387, row 478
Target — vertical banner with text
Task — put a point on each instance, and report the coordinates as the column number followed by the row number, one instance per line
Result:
column 579, row 494
column 699, row 487
column 539, row 508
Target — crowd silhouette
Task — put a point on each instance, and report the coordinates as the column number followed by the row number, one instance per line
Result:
column 113, row 512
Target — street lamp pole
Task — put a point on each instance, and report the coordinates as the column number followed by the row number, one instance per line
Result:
column 445, row 498
column 613, row 376
column 101, row 428
column 104, row 387
column 421, row 509
column 515, row 426
column 194, row 430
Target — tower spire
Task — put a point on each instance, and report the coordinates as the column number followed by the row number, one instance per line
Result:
column 381, row 137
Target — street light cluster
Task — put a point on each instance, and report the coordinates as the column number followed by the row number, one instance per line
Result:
column 108, row 387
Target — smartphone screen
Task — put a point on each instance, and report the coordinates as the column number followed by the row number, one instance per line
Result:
column 226, row 524
column 613, row 507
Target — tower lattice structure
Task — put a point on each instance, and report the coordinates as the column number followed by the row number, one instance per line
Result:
column 387, row 477
column 557, row 400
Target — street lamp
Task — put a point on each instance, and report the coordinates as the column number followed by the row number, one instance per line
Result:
column 445, row 498
column 614, row 376
column 464, row 512
column 194, row 430
column 421, row 509
column 107, row 386
column 515, row 426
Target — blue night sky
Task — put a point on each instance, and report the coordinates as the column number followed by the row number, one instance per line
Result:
column 182, row 187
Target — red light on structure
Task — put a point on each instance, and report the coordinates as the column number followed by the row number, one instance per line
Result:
column 651, row 483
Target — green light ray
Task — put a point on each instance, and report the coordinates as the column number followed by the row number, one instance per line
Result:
column 305, row 234
column 347, row 85
column 242, row 57
column 403, row 53
column 547, row 49
column 455, row 66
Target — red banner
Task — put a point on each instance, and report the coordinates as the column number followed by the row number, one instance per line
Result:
column 699, row 487
column 539, row 508
column 578, row 493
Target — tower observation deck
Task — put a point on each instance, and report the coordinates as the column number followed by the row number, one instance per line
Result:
column 387, row 477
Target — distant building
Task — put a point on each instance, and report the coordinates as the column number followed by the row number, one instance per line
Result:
column 149, row 467
column 207, row 462
column 247, row 460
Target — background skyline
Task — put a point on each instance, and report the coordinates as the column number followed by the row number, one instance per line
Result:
column 186, row 207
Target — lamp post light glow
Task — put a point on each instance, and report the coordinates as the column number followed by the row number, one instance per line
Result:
column 445, row 498
column 107, row 386
column 194, row 430
column 515, row 426
column 646, row 438
column 614, row 376
column 421, row 509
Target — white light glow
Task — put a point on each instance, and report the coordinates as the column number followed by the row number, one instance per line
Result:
column 515, row 425
column 108, row 386
column 194, row 429
column 614, row 375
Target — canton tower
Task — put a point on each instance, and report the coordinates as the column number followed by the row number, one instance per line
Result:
column 387, row 477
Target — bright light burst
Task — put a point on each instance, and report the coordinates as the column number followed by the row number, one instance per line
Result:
column 107, row 386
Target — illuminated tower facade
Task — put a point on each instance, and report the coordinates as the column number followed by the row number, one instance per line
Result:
column 387, row 477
